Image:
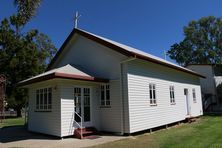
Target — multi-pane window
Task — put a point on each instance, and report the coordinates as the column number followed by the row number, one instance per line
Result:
column 172, row 96
column 105, row 95
column 194, row 95
column 44, row 99
column 152, row 91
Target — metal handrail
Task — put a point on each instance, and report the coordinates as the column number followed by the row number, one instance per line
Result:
column 78, row 123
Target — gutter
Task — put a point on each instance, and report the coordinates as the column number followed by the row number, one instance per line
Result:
column 122, row 93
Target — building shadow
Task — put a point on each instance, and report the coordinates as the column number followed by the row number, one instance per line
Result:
column 18, row 133
column 213, row 114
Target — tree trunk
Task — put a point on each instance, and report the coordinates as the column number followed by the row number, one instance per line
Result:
column 19, row 113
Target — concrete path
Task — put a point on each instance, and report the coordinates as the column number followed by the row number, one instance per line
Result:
column 19, row 137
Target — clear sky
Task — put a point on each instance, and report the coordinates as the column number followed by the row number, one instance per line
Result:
column 149, row 25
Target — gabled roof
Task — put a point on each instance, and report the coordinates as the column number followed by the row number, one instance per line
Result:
column 123, row 49
column 65, row 72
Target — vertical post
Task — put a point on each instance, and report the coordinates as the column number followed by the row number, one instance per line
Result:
column 81, row 127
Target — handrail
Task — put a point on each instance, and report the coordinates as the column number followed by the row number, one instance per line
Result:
column 78, row 123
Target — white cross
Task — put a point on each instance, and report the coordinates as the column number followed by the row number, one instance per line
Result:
column 77, row 16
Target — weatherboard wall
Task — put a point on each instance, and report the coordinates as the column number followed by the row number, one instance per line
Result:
column 110, row 117
column 45, row 122
column 99, row 61
column 67, row 105
column 91, row 58
column 102, row 118
column 144, row 116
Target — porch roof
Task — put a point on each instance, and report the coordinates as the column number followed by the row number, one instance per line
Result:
column 65, row 72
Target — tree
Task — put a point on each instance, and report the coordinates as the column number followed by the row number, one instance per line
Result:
column 202, row 43
column 22, row 54
column 26, row 9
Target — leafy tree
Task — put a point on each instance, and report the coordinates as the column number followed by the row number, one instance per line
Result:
column 26, row 9
column 202, row 43
column 22, row 54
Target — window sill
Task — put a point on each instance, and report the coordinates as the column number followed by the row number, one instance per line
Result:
column 105, row 106
column 194, row 101
column 153, row 104
column 43, row 111
column 172, row 103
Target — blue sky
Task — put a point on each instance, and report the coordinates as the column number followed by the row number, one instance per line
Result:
column 149, row 25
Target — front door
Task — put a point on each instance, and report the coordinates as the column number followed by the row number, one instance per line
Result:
column 82, row 101
column 187, row 106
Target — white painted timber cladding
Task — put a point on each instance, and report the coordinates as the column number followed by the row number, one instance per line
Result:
column 143, row 116
column 67, row 105
column 45, row 122
column 104, row 119
column 92, row 58
column 99, row 61
column 110, row 118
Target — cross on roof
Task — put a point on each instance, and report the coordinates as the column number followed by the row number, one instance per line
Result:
column 76, row 18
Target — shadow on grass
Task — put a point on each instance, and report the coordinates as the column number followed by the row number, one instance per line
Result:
column 219, row 114
column 17, row 133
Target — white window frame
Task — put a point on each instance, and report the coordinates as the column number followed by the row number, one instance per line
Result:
column 152, row 94
column 194, row 95
column 42, row 103
column 172, row 95
column 105, row 102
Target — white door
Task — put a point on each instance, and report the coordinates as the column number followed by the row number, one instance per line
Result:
column 187, row 106
column 82, row 102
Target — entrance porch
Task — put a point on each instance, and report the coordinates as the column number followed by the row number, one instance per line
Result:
column 63, row 100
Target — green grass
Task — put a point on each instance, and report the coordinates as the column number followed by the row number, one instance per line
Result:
column 12, row 122
column 206, row 132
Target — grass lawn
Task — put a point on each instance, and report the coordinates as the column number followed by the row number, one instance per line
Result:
column 206, row 132
column 12, row 122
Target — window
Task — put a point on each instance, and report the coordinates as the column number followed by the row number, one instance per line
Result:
column 152, row 88
column 44, row 99
column 172, row 96
column 105, row 95
column 194, row 95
